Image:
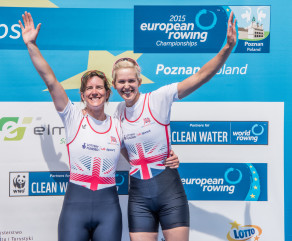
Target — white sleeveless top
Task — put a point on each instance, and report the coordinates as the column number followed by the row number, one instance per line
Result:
column 93, row 155
column 147, row 142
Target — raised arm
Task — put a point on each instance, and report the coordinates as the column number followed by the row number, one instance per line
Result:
column 29, row 35
column 195, row 81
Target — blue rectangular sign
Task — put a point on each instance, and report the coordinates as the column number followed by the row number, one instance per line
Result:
column 219, row 132
column 93, row 29
column 225, row 181
column 199, row 29
column 55, row 183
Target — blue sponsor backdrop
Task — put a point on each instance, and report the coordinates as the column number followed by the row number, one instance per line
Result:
column 267, row 77
column 84, row 33
column 182, row 29
column 199, row 29
column 55, row 183
column 225, row 181
column 219, row 132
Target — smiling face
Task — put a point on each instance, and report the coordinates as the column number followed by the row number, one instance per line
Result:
column 95, row 94
column 127, row 84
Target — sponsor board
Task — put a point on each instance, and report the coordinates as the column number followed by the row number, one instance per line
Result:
column 244, row 232
column 52, row 183
column 253, row 29
column 199, row 29
column 65, row 32
column 15, row 129
column 219, row 132
column 225, row 181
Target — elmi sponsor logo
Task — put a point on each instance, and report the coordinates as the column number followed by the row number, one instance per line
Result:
column 48, row 130
column 14, row 128
column 240, row 232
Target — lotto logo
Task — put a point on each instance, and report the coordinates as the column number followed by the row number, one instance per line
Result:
column 12, row 127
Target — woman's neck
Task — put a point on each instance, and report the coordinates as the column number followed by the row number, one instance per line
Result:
column 96, row 114
column 133, row 102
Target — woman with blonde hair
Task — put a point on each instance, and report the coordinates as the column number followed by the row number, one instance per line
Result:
column 156, row 194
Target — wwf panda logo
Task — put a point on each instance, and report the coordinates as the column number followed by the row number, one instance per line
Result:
column 19, row 181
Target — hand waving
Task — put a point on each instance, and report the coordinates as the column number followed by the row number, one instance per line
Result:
column 231, row 31
column 29, row 32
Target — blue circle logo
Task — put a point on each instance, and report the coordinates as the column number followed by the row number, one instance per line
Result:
column 259, row 130
column 231, row 170
column 202, row 12
column 119, row 179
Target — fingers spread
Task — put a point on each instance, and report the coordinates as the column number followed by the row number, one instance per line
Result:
column 230, row 18
column 21, row 26
column 235, row 21
column 24, row 19
column 30, row 19
column 38, row 27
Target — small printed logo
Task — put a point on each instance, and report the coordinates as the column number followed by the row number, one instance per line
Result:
column 203, row 12
column 19, row 181
column 63, row 141
column 122, row 178
column 146, row 121
column 13, row 128
column 254, row 22
column 130, row 136
column 91, row 147
column 257, row 130
column 113, row 140
column 19, row 184
column 253, row 28
column 255, row 133
column 84, row 126
column 244, row 232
